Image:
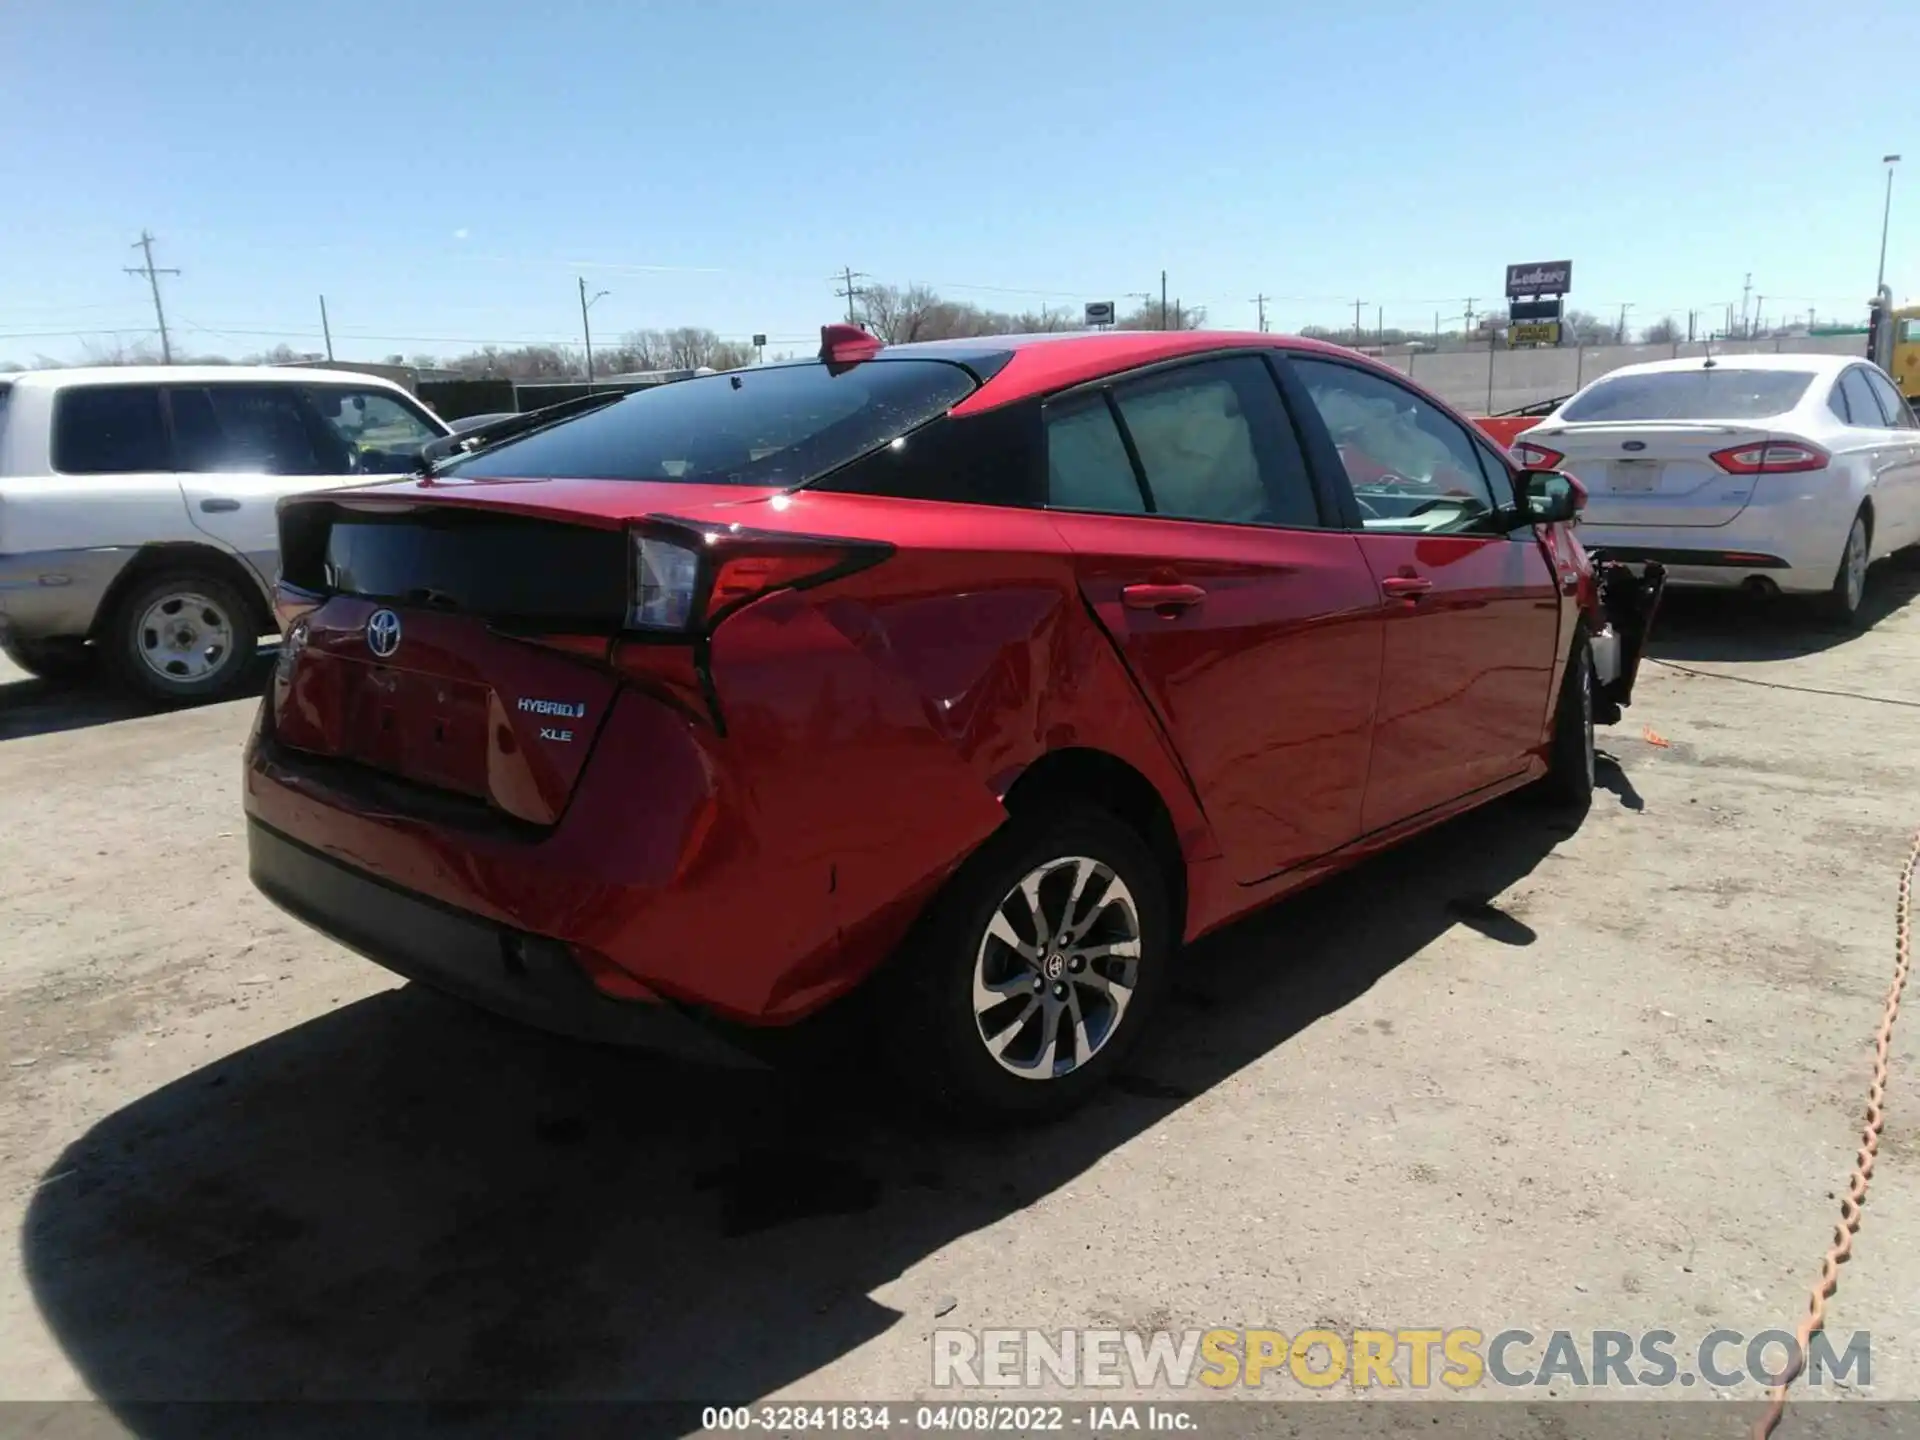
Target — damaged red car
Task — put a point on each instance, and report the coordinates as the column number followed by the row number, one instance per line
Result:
column 979, row 675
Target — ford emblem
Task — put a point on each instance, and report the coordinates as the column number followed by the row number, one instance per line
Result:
column 1633, row 445
column 383, row 633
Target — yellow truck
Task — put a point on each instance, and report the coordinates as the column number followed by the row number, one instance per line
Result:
column 1893, row 342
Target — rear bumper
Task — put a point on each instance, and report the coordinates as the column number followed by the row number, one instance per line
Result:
column 509, row 972
column 1794, row 547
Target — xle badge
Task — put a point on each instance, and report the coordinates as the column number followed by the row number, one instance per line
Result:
column 565, row 737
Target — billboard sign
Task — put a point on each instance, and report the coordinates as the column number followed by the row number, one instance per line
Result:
column 1540, row 277
column 1100, row 312
column 1537, row 332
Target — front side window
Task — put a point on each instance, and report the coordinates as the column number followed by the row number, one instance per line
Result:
column 258, row 429
column 1215, row 443
column 781, row 425
column 381, row 435
column 1412, row 468
column 109, row 430
column 1909, row 330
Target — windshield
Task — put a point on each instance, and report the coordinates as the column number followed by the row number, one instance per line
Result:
column 1720, row 394
column 782, row 425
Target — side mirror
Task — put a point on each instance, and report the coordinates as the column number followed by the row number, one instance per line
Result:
column 1553, row 497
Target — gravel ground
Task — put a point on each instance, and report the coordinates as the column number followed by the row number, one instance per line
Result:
column 1517, row 1074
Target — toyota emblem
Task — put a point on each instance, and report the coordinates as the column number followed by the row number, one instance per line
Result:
column 383, row 633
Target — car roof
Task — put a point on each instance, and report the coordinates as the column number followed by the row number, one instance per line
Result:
column 192, row 375
column 1805, row 362
column 1021, row 366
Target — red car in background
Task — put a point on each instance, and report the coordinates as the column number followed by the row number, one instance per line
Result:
column 985, row 673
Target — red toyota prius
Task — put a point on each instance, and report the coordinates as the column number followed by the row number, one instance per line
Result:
column 987, row 673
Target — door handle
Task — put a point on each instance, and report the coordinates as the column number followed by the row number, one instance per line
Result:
column 216, row 507
column 1161, row 597
column 1406, row 587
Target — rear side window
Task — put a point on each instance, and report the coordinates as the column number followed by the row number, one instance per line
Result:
column 1087, row 463
column 1721, row 394
column 1899, row 417
column 258, row 428
column 1215, row 443
column 782, row 425
column 1861, row 405
column 985, row 459
column 109, row 430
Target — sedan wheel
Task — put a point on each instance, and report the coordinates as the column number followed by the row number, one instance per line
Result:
column 1850, row 583
column 1034, row 972
column 1056, row 968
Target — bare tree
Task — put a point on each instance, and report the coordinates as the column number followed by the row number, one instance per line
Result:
column 1665, row 331
column 1587, row 328
column 899, row 316
column 1177, row 317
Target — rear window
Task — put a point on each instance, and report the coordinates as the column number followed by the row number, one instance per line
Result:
column 501, row 566
column 109, row 430
column 781, row 425
column 1721, row 394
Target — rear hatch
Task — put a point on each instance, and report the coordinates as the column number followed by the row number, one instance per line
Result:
column 463, row 626
column 1644, row 442
column 459, row 645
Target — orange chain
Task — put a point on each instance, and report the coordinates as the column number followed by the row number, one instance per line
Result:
column 1856, row 1196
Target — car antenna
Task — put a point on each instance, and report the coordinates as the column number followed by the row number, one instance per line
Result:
column 1708, row 342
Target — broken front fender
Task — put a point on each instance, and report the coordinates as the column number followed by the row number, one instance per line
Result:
column 1628, row 599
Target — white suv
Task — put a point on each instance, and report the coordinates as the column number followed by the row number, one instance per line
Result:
column 137, row 524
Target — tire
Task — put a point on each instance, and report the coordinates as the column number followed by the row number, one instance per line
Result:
column 1570, row 753
column 58, row 662
column 1842, row 603
column 209, row 656
column 926, row 1015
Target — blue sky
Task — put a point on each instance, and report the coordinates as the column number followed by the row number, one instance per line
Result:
column 443, row 171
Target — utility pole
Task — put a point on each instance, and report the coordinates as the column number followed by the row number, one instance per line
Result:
column 325, row 328
column 1163, row 299
column 1810, row 320
column 1692, row 315
column 1261, row 301
column 1621, row 336
column 850, row 291
column 1745, row 290
column 145, row 245
column 1467, row 320
column 1759, row 311
column 1436, row 330
column 1886, row 214
column 1380, row 325
column 1358, row 338
column 586, row 328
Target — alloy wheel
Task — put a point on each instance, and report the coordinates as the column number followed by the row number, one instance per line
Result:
column 1057, row 967
column 1855, row 565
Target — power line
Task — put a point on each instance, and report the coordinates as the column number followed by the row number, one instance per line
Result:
column 849, row 291
column 145, row 245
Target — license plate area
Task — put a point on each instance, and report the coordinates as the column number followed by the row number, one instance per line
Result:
column 1634, row 477
column 423, row 727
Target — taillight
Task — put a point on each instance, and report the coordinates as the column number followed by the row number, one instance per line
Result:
column 1536, row 457
column 688, row 580
column 1771, row 457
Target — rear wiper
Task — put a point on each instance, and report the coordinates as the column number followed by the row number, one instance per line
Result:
column 484, row 437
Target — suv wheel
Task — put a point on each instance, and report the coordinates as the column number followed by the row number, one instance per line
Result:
column 1037, row 970
column 185, row 635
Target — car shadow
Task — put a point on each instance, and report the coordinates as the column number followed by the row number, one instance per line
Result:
column 30, row 706
column 406, row 1200
column 1733, row 626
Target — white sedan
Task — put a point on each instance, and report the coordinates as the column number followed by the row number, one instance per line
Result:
column 1787, row 473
